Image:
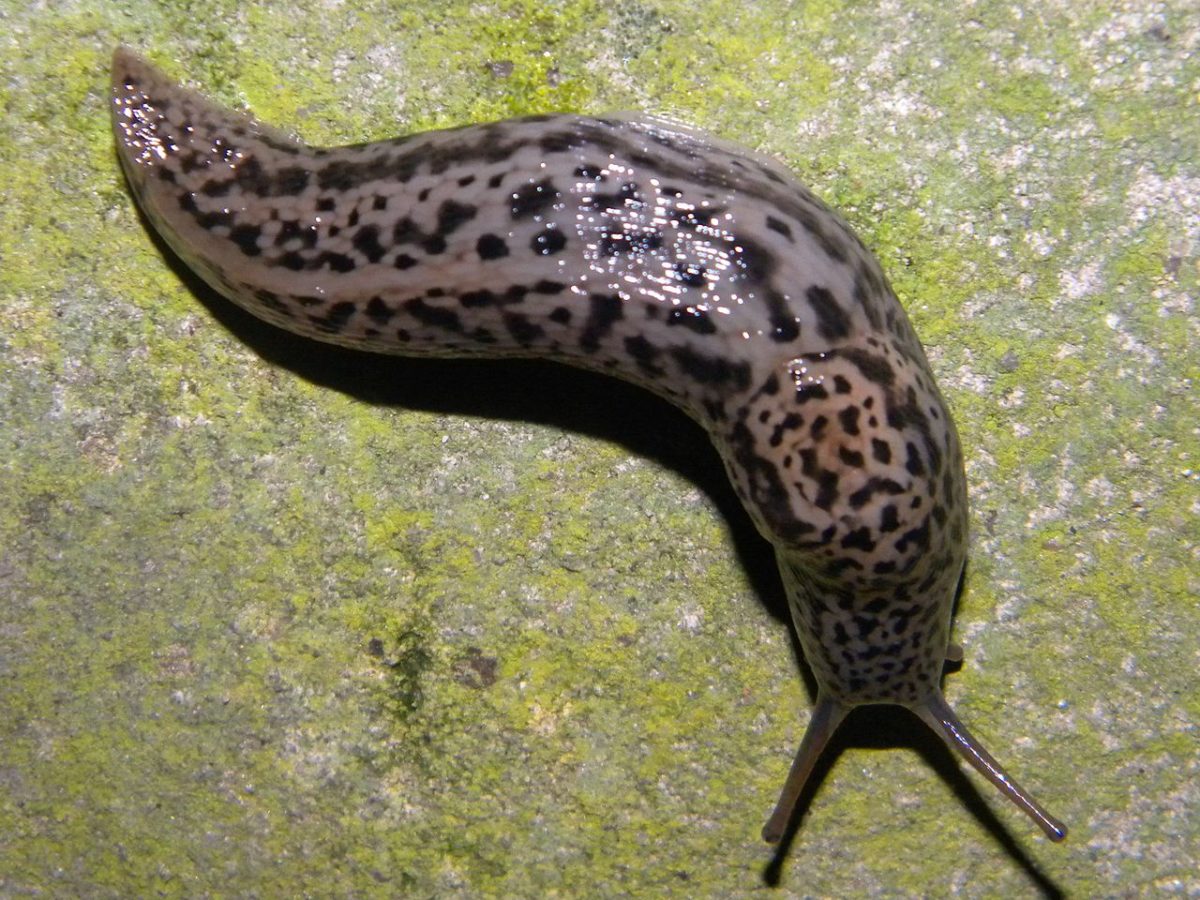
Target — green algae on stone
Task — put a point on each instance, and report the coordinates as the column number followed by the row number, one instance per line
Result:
column 198, row 547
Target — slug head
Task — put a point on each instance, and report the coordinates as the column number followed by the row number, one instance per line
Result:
column 851, row 466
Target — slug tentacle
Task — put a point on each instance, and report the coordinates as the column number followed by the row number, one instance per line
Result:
column 640, row 248
column 938, row 715
column 827, row 715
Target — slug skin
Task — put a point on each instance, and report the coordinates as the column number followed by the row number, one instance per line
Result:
column 639, row 248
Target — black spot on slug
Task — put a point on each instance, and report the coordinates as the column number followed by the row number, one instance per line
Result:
column 533, row 199
column 523, row 331
column 873, row 368
column 811, row 391
column 548, row 242
column 851, row 458
column 291, row 180
column 779, row 227
column 406, row 231
column 644, row 354
column 603, row 311
column 863, row 495
column 246, row 237
column 832, row 321
column 913, row 463
column 272, row 301
column 453, row 215
column 754, row 262
column 214, row 188
column 848, row 418
column 691, row 274
column 337, row 262
column 693, row 319
column 475, row 299
column 366, row 242
column 335, row 319
column 790, row 423
column 491, row 246
column 827, row 489
column 712, row 370
column 434, row 316
column 379, row 312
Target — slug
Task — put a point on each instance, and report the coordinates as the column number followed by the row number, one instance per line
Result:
column 637, row 247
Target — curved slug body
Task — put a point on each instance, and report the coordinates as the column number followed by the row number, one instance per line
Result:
column 639, row 248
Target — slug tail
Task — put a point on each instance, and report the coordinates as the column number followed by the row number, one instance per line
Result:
column 936, row 713
column 826, row 717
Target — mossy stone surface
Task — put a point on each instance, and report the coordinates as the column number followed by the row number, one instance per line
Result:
column 284, row 621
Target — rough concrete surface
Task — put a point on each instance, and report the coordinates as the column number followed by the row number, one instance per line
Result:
column 278, row 620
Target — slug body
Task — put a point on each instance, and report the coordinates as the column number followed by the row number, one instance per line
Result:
column 642, row 249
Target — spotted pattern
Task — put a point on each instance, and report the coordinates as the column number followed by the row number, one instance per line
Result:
column 639, row 248
column 624, row 245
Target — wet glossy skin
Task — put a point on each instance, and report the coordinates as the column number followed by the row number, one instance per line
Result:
column 624, row 245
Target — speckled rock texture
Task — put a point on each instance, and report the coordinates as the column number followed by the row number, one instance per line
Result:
column 284, row 620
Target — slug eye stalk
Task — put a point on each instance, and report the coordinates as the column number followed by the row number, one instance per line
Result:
column 937, row 714
column 934, row 712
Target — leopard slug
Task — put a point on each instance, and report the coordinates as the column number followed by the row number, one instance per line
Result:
column 637, row 247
